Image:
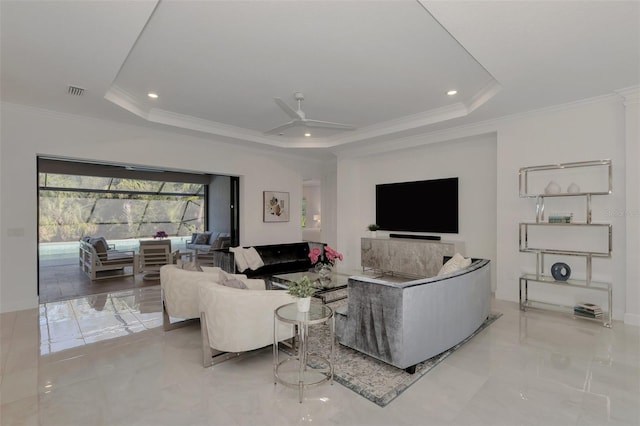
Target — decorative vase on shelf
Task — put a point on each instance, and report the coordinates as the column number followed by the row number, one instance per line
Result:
column 573, row 188
column 304, row 304
column 552, row 188
column 560, row 271
column 374, row 234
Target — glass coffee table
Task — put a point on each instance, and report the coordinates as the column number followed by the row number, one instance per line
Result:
column 329, row 290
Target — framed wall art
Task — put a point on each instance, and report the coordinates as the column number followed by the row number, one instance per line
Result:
column 276, row 206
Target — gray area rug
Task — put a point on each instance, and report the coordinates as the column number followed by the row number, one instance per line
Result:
column 375, row 380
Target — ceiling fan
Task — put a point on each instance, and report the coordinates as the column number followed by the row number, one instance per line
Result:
column 299, row 118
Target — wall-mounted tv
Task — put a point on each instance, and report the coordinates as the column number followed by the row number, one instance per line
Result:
column 420, row 206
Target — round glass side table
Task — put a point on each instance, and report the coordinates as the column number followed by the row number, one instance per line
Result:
column 304, row 369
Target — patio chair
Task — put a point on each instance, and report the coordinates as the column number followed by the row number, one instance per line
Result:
column 153, row 255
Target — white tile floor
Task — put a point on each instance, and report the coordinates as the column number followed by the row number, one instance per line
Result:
column 525, row 369
column 75, row 322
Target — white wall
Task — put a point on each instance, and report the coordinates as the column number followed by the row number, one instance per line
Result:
column 588, row 130
column 472, row 160
column 27, row 132
column 632, row 211
column 582, row 132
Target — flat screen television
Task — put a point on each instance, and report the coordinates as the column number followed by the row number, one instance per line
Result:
column 420, row 206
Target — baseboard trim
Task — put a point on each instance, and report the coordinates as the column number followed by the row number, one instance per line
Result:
column 20, row 305
column 632, row 319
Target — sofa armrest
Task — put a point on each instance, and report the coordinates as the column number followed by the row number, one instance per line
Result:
column 240, row 320
column 255, row 284
column 375, row 318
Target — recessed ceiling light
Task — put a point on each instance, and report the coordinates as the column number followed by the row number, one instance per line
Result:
column 307, row 134
column 452, row 92
column 152, row 95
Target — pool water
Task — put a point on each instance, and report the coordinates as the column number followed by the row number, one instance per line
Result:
column 65, row 250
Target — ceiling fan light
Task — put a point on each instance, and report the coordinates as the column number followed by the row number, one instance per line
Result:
column 452, row 92
column 152, row 95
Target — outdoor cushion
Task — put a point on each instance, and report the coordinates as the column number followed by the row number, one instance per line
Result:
column 202, row 238
column 100, row 244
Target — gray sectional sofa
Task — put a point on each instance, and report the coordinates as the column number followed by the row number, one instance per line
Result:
column 406, row 323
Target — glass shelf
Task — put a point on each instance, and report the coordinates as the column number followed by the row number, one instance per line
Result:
column 523, row 241
column 530, row 179
column 595, row 285
column 525, row 173
column 563, row 309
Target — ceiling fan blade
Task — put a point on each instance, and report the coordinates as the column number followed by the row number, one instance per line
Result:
column 281, row 128
column 286, row 108
column 328, row 124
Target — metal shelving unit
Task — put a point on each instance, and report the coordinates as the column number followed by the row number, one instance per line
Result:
column 539, row 276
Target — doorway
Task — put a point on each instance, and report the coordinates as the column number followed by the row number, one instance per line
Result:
column 124, row 204
column 311, row 220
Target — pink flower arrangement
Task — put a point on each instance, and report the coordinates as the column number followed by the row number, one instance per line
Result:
column 330, row 256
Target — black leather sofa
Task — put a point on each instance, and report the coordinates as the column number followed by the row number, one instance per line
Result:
column 277, row 258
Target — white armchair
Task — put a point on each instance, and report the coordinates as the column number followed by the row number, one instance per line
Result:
column 180, row 292
column 234, row 320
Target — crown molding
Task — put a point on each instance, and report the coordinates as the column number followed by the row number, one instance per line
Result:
column 471, row 129
column 484, row 95
column 127, row 101
column 207, row 126
column 391, row 127
column 631, row 95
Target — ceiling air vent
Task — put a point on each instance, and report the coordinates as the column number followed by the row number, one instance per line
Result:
column 75, row 91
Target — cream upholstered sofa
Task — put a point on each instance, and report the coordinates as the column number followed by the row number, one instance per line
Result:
column 180, row 291
column 234, row 321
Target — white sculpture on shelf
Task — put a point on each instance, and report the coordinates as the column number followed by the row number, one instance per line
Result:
column 552, row 188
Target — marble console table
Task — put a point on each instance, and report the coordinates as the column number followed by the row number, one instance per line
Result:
column 402, row 256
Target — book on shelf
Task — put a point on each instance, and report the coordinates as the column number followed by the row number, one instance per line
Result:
column 586, row 315
column 588, row 310
column 560, row 219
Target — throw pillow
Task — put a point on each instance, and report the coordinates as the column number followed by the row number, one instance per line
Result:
column 241, row 262
column 253, row 258
column 454, row 264
column 219, row 242
column 212, row 238
column 189, row 266
column 234, row 283
column 202, row 238
column 224, row 277
column 230, row 280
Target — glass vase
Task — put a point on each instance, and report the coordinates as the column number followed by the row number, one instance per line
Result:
column 324, row 271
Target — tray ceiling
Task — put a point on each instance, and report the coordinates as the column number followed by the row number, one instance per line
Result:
column 382, row 66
